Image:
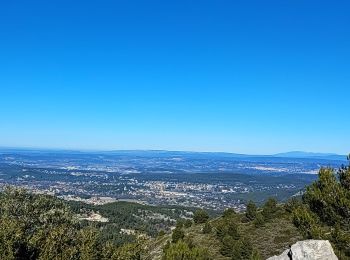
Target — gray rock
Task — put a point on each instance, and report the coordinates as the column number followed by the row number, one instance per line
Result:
column 308, row 250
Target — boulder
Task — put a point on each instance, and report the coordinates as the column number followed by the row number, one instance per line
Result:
column 308, row 250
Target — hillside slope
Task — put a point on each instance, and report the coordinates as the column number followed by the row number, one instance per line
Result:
column 271, row 237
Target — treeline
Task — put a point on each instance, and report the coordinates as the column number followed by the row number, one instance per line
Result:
column 144, row 219
column 42, row 227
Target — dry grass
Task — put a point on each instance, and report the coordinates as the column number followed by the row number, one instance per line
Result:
column 274, row 237
column 271, row 239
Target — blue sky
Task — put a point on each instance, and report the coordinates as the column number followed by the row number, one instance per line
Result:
column 240, row 76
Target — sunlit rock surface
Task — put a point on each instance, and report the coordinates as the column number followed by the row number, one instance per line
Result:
column 308, row 250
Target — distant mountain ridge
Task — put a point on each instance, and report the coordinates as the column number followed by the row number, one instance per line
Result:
column 167, row 153
column 301, row 154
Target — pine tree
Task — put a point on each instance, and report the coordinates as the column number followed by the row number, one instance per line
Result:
column 251, row 211
column 270, row 208
column 200, row 216
column 178, row 234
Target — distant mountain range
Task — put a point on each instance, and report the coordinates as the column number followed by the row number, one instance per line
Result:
column 190, row 154
column 301, row 154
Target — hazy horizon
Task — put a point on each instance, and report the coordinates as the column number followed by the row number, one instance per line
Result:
column 315, row 153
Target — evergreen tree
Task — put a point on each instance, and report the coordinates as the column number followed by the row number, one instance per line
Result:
column 307, row 222
column 329, row 199
column 325, row 212
column 89, row 247
column 227, row 246
column 259, row 220
column 232, row 230
column 221, row 229
column 270, row 208
column 243, row 250
column 344, row 175
column 200, row 216
column 178, row 234
column 251, row 211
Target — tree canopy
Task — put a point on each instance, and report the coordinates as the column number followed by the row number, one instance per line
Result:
column 42, row 227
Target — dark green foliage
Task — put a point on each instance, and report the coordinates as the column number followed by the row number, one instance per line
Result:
column 307, row 222
column 251, row 211
column 178, row 234
column 270, row 208
column 341, row 239
column 130, row 215
column 221, row 229
column 180, row 223
column 200, row 216
column 259, row 220
column 125, row 252
column 42, row 227
column 232, row 230
column 228, row 213
column 227, row 245
column 292, row 204
column 188, row 223
column 344, row 175
column 227, row 227
column 242, row 250
column 327, row 198
column 207, row 228
column 182, row 251
column 89, row 245
column 325, row 212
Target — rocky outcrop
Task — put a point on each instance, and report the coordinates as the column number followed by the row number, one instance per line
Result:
column 308, row 250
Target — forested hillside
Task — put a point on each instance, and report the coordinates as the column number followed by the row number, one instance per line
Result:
column 43, row 227
column 127, row 220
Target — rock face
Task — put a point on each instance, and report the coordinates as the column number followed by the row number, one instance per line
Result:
column 308, row 250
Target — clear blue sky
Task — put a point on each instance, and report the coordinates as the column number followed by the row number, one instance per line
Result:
column 241, row 76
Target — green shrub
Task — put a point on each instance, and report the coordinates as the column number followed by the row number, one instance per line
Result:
column 207, row 228
column 200, row 216
column 229, row 213
column 188, row 223
column 177, row 235
column 181, row 250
